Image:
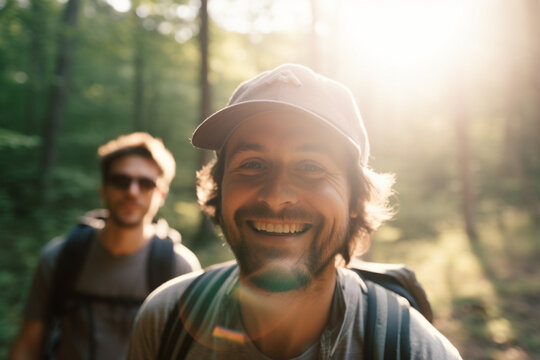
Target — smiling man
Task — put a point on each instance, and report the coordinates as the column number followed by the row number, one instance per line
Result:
column 295, row 199
column 282, row 235
column 89, row 285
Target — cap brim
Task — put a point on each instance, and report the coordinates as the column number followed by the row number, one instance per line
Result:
column 212, row 133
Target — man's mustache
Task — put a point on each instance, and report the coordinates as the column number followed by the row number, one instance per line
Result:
column 129, row 201
column 263, row 211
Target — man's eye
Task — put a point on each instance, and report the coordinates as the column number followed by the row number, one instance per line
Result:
column 252, row 165
column 311, row 168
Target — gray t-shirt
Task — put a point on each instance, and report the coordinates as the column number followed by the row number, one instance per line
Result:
column 102, row 274
column 342, row 339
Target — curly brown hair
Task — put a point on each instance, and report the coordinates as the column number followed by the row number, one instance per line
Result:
column 372, row 196
column 140, row 144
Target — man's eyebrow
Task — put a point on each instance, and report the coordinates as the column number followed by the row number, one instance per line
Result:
column 315, row 148
column 243, row 147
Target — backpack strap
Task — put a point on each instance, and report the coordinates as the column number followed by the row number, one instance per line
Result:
column 387, row 325
column 405, row 340
column 69, row 265
column 160, row 263
column 174, row 330
column 399, row 279
column 191, row 307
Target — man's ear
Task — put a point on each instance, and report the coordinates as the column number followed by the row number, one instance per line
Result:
column 163, row 192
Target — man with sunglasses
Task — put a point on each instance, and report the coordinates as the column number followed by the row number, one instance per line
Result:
column 113, row 259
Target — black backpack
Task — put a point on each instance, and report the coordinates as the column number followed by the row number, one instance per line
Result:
column 389, row 284
column 70, row 261
column 395, row 283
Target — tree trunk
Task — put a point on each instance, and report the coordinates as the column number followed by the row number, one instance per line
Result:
column 531, row 156
column 203, row 41
column 139, row 70
column 205, row 97
column 37, row 67
column 463, row 149
column 522, row 127
column 58, row 95
column 205, row 232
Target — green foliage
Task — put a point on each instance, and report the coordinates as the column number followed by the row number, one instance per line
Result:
column 410, row 120
column 17, row 190
column 13, row 140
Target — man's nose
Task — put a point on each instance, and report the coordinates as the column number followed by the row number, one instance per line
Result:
column 278, row 191
column 134, row 187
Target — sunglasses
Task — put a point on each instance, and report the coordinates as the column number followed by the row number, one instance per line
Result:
column 123, row 182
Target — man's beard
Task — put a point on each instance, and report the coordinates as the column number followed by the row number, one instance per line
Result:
column 116, row 217
column 271, row 268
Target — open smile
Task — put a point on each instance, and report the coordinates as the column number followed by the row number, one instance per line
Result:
column 278, row 228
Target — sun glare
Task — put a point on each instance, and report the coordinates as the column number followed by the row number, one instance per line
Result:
column 404, row 36
column 412, row 49
column 120, row 5
column 400, row 39
column 407, row 44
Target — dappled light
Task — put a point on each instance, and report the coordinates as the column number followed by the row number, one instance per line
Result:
column 245, row 16
column 120, row 5
column 409, row 39
column 449, row 92
column 470, row 283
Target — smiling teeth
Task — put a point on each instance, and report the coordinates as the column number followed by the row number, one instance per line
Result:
column 279, row 228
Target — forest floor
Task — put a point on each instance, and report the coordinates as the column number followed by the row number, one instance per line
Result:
column 485, row 292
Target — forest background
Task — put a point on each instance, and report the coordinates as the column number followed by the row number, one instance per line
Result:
column 449, row 91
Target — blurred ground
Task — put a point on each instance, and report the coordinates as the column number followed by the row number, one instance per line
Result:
column 485, row 292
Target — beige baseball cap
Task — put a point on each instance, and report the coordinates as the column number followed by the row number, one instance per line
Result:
column 288, row 87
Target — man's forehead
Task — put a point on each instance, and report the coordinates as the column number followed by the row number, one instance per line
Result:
column 290, row 131
column 135, row 162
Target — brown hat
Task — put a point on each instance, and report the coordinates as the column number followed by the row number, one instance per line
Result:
column 288, row 87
